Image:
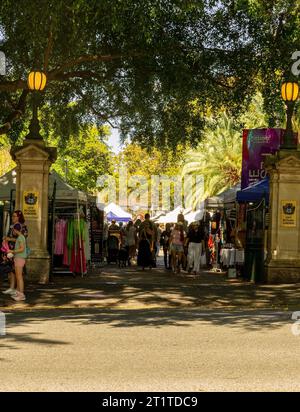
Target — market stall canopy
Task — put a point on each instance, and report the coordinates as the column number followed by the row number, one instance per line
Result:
column 171, row 217
column 158, row 215
column 7, row 185
column 223, row 199
column 64, row 191
column 196, row 215
column 115, row 212
column 255, row 193
column 111, row 216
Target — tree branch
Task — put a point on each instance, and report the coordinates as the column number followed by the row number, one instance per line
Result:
column 58, row 73
column 48, row 50
column 12, row 86
column 83, row 74
column 92, row 58
column 95, row 112
column 16, row 114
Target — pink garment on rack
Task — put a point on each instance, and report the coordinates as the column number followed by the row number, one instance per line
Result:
column 60, row 231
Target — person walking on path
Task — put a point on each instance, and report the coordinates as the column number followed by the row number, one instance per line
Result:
column 17, row 218
column 131, row 241
column 195, row 238
column 147, row 235
column 181, row 220
column 177, row 242
column 157, row 240
column 165, row 243
column 20, row 255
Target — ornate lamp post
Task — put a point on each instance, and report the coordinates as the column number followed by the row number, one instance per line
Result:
column 34, row 160
column 289, row 93
column 36, row 82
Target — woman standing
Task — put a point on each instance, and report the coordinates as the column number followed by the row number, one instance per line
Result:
column 17, row 218
column 196, row 242
column 165, row 243
column 131, row 241
column 177, row 242
column 20, row 255
column 146, row 241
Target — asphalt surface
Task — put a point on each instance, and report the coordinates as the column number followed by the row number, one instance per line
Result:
column 149, row 350
column 128, row 330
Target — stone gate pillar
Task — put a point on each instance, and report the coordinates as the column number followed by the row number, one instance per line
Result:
column 283, row 260
column 33, row 161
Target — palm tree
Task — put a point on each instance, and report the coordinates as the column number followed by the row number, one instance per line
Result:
column 218, row 158
column 255, row 116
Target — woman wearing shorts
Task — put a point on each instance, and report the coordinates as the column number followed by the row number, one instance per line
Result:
column 17, row 218
column 177, row 242
column 20, row 255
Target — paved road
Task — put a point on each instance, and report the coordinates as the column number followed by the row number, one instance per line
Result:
column 149, row 350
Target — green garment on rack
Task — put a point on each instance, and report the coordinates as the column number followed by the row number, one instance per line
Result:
column 76, row 232
column 70, row 234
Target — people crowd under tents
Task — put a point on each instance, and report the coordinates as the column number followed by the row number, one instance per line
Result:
column 183, row 245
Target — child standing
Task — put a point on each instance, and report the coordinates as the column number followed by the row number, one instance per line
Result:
column 20, row 255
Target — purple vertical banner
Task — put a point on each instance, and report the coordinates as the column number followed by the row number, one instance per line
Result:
column 257, row 143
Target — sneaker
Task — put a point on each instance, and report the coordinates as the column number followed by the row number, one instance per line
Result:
column 18, row 297
column 9, row 291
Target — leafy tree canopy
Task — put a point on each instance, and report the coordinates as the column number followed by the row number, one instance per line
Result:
column 142, row 162
column 140, row 64
column 134, row 160
column 84, row 159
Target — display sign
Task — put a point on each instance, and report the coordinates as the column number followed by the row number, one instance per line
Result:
column 256, row 144
column 31, row 204
column 288, row 213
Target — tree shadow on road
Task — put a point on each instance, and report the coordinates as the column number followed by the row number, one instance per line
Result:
column 262, row 320
column 116, row 289
column 11, row 340
column 132, row 298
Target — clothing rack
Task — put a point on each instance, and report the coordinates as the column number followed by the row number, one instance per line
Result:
column 76, row 217
column 56, row 215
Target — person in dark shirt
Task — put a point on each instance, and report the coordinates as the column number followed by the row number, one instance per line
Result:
column 196, row 240
column 147, row 236
column 165, row 243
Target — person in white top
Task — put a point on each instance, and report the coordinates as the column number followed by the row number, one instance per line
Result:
column 131, row 240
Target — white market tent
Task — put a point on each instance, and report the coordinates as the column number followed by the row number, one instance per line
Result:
column 63, row 190
column 158, row 215
column 195, row 216
column 115, row 212
column 7, row 184
column 171, row 217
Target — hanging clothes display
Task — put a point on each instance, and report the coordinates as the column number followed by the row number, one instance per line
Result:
column 70, row 243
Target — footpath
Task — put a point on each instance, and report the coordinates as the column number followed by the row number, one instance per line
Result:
column 131, row 288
